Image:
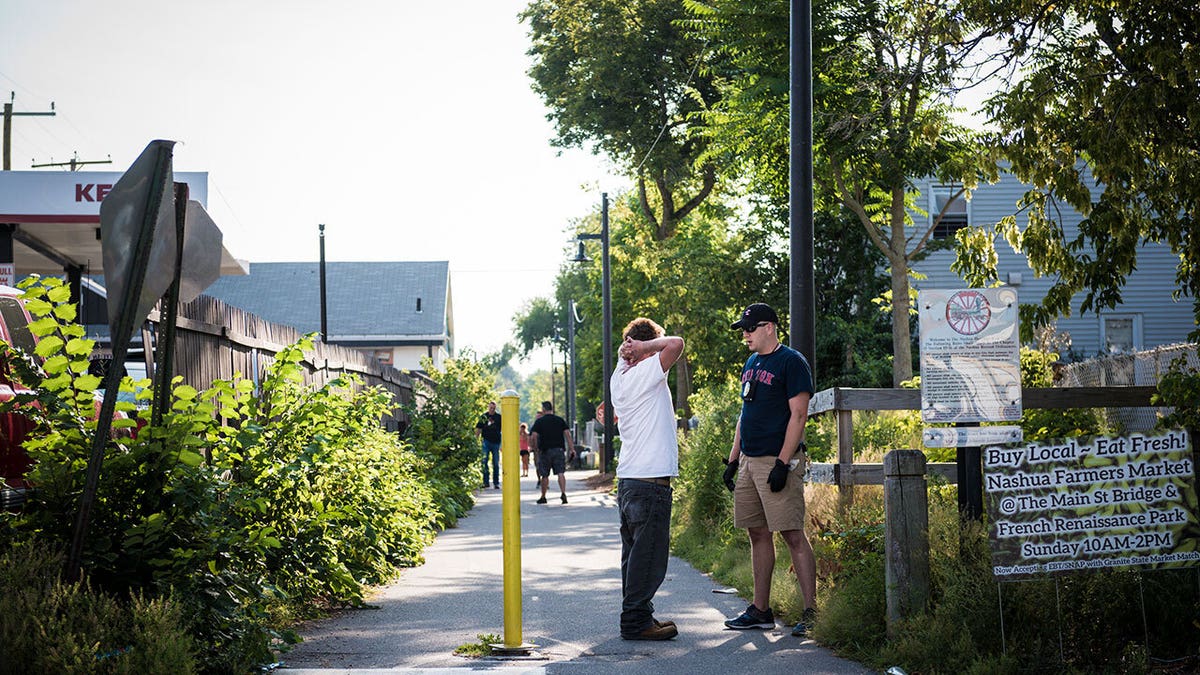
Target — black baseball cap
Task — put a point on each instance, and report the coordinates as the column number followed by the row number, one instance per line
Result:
column 754, row 315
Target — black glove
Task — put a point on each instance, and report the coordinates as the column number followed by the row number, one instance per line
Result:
column 730, row 473
column 778, row 476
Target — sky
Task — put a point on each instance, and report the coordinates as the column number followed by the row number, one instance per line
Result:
column 408, row 128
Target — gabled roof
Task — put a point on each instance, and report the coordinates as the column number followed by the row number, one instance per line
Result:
column 367, row 302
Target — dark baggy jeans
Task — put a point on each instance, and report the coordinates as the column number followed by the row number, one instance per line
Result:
column 491, row 449
column 645, row 545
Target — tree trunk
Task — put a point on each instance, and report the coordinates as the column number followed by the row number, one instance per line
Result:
column 901, row 335
column 683, row 386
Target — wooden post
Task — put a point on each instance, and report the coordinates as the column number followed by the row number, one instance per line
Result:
column 845, row 436
column 906, row 538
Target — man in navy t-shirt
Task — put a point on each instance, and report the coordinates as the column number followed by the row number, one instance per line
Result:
column 768, row 444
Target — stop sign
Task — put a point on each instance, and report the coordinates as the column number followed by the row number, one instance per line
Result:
column 600, row 412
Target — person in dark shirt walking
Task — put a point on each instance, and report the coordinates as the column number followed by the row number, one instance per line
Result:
column 489, row 428
column 551, row 439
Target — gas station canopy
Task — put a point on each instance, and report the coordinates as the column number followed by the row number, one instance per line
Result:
column 57, row 219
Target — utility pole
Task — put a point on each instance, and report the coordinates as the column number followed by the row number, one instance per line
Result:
column 74, row 163
column 8, row 115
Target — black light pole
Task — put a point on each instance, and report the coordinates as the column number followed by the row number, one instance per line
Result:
column 802, row 291
column 572, row 381
column 324, row 321
column 606, row 457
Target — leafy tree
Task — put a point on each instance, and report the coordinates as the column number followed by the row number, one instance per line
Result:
column 1104, row 116
column 692, row 284
column 620, row 76
column 884, row 75
column 538, row 324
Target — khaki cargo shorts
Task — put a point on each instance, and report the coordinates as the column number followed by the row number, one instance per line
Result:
column 754, row 505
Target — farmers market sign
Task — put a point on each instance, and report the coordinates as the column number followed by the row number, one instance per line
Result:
column 1110, row 502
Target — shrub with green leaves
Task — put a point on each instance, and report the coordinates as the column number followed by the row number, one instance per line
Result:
column 442, row 432
column 245, row 509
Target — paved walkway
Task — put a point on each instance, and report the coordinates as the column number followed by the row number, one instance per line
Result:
column 571, row 606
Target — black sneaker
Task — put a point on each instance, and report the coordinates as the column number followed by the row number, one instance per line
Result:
column 807, row 621
column 564, row 498
column 752, row 618
column 542, row 500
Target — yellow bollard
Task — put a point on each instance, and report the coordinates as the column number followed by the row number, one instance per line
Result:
column 510, row 417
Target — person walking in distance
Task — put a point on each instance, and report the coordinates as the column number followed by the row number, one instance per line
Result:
column 768, row 448
column 649, row 460
column 523, row 444
column 488, row 428
column 552, row 440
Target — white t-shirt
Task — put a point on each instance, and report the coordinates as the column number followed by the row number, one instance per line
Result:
column 646, row 417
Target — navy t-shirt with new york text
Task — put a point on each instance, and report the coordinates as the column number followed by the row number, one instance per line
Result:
column 777, row 377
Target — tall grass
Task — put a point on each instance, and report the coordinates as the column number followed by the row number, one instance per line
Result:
column 1094, row 622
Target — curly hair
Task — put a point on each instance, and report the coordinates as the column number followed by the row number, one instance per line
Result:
column 642, row 329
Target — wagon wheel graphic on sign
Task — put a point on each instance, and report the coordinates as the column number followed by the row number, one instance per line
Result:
column 968, row 312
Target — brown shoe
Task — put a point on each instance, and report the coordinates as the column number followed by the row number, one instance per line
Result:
column 654, row 632
column 662, row 624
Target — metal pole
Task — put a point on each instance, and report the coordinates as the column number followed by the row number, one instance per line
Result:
column 571, row 372
column 510, row 417
column 607, row 328
column 121, row 334
column 802, row 292
column 566, row 391
column 324, row 321
column 165, row 368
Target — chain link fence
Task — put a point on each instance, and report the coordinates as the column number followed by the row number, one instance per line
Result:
column 1127, row 370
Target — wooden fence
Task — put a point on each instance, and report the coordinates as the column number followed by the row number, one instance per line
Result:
column 903, row 477
column 216, row 341
column 844, row 402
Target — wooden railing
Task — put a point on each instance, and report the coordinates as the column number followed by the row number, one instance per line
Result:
column 843, row 402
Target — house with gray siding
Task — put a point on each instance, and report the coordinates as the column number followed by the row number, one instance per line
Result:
column 399, row 312
column 1148, row 316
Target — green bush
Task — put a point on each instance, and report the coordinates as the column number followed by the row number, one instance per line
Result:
column 1044, row 425
column 443, row 433
column 248, row 511
column 49, row 626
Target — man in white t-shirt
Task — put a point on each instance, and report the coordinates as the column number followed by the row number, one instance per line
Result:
column 649, row 460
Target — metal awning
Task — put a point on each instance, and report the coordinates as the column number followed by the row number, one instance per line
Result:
column 57, row 219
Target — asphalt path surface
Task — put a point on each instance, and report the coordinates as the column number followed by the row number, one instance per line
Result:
column 571, row 597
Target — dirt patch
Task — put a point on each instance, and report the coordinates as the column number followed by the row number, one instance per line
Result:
column 599, row 481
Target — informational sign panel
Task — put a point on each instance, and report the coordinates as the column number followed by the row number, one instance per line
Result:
column 1108, row 502
column 970, row 355
column 961, row 437
column 8, row 274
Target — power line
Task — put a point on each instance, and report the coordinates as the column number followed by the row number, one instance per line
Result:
column 8, row 115
column 74, row 162
column 667, row 122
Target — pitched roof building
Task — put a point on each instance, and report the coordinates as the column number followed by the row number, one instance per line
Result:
column 399, row 312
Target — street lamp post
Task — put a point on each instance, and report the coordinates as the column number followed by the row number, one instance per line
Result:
column 572, row 382
column 606, row 456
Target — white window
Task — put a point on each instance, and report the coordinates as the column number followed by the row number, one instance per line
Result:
column 1120, row 333
column 957, row 215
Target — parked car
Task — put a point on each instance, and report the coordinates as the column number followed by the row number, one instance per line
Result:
column 14, row 427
